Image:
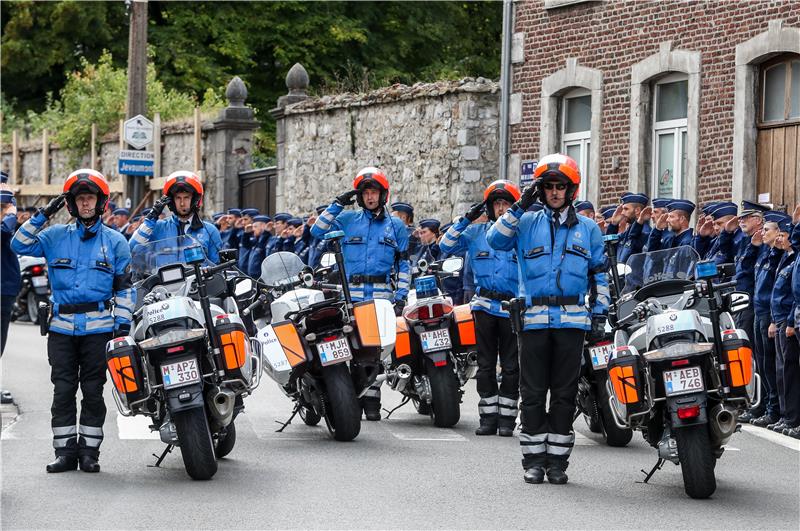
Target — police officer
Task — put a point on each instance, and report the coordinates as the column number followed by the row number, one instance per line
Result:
column 258, row 236
column 281, row 232
column 183, row 194
column 672, row 228
column 604, row 217
column 375, row 246
column 585, row 208
column 708, row 238
column 245, row 237
column 316, row 247
column 781, row 304
column 634, row 238
column 428, row 232
column 88, row 265
column 561, row 261
column 231, row 233
column 10, row 279
column 792, row 353
column 405, row 212
column 497, row 280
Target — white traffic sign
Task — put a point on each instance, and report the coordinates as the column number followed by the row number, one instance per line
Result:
column 135, row 154
column 138, row 131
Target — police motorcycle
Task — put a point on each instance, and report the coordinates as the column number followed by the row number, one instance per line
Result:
column 320, row 347
column 435, row 354
column 681, row 372
column 188, row 361
column 35, row 288
column 592, row 398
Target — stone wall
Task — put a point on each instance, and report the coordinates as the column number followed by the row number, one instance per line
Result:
column 437, row 142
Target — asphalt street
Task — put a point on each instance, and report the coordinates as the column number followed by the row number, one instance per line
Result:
column 399, row 473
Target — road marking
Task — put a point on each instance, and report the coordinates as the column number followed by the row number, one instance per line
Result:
column 771, row 436
column 136, row 428
column 583, row 440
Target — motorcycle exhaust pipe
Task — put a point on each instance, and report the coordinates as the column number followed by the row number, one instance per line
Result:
column 472, row 365
column 723, row 424
column 402, row 377
column 221, row 405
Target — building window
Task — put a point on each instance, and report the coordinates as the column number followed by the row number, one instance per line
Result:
column 576, row 131
column 780, row 95
column 669, row 136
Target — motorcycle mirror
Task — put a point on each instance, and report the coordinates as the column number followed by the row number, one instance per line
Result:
column 738, row 301
column 243, row 287
column 327, row 260
column 452, row 264
column 226, row 255
column 727, row 270
column 308, row 280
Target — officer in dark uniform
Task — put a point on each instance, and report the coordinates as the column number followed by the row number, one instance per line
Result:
column 585, row 208
column 708, row 237
column 561, row 262
column 245, row 237
column 428, row 236
column 405, row 213
column 88, row 265
column 679, row 212
column 634, row 238
column 317, row 246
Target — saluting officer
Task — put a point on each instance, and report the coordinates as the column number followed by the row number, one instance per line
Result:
column 561, row 262
column 497, row 280
column 672, row 228
column 708, row 239
column 89, row 268
column 634, row 238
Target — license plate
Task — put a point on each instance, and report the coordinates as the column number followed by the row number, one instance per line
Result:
column 39, row 282
column 683, row 381
column 180, row 373
column 435, row 340
column 335, row 351
column 599, row 355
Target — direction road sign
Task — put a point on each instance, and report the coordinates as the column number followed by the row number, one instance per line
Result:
column 138, row 131
column 526, row 172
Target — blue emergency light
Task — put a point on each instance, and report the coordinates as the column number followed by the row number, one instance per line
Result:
column 193, row 254
column 426, row 287
column 705, row 270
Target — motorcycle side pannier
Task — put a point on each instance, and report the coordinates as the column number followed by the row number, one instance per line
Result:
column 465, row 326
column 126, row 367
column 626, row 373
column 737, row 365
column 235, row 348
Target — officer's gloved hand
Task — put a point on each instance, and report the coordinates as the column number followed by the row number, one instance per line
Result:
column 158, row 207
column 56, row 204
column 347, row 198
column 398, row 307
column 598, row 331
column 528, row 197
column 122, row 330
column 475, row 212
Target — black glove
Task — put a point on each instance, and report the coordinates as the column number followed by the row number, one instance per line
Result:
column 398, row 307
column 347, row 198
column 475, row 212
column 55, row 204
column 122, row 330
column 529, row 196
column 598, row 331
column 158, row 207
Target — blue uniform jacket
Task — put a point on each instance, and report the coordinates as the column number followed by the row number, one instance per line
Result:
column 9, row 267
column 371, row 246
column 782, row 302
column 257, row 253
column 567, row 261
column 202, row 231
column 632, row 241
column 84, row 266
column 766, row 264
column 491, row 269
column 660, row 239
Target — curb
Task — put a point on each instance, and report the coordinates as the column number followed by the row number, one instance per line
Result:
column 8, row 414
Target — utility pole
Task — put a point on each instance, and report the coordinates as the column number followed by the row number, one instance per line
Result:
column 137, row 80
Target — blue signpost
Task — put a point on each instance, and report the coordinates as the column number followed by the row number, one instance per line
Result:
column 133, row 162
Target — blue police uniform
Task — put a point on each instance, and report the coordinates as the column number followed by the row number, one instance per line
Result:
column 496, row 276
column 10, row 278
column 787, row 370
column 170, row 228
column 634, row 238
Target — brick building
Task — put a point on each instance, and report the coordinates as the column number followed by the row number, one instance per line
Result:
column 672, row 98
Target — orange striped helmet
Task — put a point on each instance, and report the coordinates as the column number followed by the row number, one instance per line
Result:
column 371, row 176
column 500, row 189
column 83, row 181
column 562, row 168
column 184, row 181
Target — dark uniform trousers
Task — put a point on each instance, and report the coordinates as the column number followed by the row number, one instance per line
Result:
column 745, row 320
column 77, row 361
column 550, row 360
column 494, row 337
column 765, row 363
column 788, row 372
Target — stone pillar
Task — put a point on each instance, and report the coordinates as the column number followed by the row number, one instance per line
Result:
column 230, row 148
column 297, row 83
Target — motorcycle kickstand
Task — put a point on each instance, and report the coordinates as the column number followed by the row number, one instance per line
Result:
column 284, row 424
column 405, row 401
column 160, row 459
column 650, row 474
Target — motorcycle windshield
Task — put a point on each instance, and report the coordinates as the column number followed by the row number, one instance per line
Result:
column 281, row 268
column 147, row 258
column 667, row 264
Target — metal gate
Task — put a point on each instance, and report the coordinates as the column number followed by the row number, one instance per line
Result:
column 257, row 189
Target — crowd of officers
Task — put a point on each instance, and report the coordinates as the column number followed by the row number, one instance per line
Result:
column 538, row 244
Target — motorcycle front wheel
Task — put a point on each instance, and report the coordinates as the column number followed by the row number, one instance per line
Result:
column 342, row 409
column 33, row 307
column 197, row 446
column 445, row 398
column 697, row 461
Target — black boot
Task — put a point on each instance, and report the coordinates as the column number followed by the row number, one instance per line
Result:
column 534, row 475
column 63, row 463
column 486, row 429
column 372, row 410
column 505, row 431
column 556, row 475
column 89, row 463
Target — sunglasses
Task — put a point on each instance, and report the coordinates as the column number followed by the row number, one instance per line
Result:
column 554, row 186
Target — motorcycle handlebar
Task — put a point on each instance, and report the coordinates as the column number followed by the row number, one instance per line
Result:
column 258, row 302
column 208, row 271
column 724, row 285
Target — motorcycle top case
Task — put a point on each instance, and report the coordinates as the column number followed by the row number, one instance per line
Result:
column 737, row 365
column 465, row 326
column 235, row 345
column 126, row 367
column 282, row 348
column 626, row 373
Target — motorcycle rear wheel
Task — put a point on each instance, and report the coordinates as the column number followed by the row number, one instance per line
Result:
column 226, row 442
column 697, row 461
column 342, row 409
column 197, row 446
column 445, row 398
